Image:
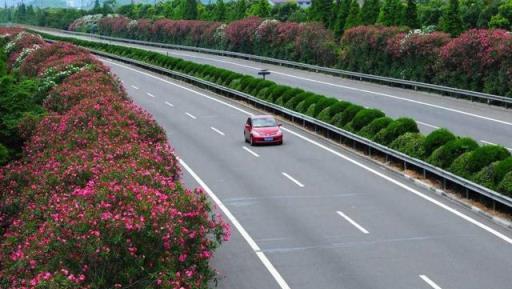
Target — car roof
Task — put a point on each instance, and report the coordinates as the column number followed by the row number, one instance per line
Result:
column 262, row 116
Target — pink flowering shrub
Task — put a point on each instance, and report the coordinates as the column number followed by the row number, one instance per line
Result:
column 96, row 201
column 479, row 59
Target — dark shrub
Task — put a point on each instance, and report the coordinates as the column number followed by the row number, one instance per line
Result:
column 294, row 101
column 484, row 156
column 505, row 186
column 328, row 113
column 396, row 129
column 486, row 176
column 436, row 139
column 458, row 166
column 347, row 115
column 260, row 85
column 411, row 144
column 276, row 92
column 287, row 95
column 446, row 154
column 323, row 103
column 363, row 118
column 375, row 127
column 303, row 106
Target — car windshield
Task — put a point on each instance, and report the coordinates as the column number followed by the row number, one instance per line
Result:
column 263, row 122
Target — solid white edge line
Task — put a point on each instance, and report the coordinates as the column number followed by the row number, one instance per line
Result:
column 134, row 87
column 292, row 179
column 263, row 258
column 150, row 94
column 190, row 115
column 426, row 124
column 217, row 131
column 491, row 143
column 354, row 223
column 169, row 104
column 361, row 165
column 430, row 282
column 251, row 152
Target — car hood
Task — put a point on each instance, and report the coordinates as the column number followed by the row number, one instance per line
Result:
column 267, row 130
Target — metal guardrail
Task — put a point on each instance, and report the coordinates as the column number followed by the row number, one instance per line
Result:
column 472, row 95
column 446, row 179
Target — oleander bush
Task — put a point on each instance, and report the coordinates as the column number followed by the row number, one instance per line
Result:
column 96, row 201
column 440, row 148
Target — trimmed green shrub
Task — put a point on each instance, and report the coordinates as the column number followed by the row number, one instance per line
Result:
column 287, row 95
column 260, row 85
column 458, row 166
column 363, row 118
column 395, row 129
column 347, row 115
column 446, row 154
column 375, row 127
column 235, row 84
column 436, row 139
column 411, row 144
column 502, row 168
column 303, row 106
column 294, row 101
column 484, row 156
column 246, row 82
column 505, row 186
column 486, row 176
column 324, row 103
column 275, row 93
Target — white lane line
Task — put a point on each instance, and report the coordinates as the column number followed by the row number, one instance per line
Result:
column 134, row 87
column 292, row 179
column 491, row 143
column 169, row 104
column 360, row 90
column 217, row 131
column 430, row 282
column 353, row 222
column 150, row 94
column 426, row 124
column 263, row 258
column 190, row 115
column 338, row 154
column 251, row 152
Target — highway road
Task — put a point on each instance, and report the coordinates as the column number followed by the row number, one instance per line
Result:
column 309, row 214
column 487, row 124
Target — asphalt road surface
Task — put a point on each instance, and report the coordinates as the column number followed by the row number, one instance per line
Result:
column 309, row 214
column 487, row 124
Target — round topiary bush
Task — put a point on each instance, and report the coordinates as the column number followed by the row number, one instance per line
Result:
column 395, row 129
column 505, row 186
column 375, row 127
column 261, row 85
column 446, row 154
column 328, row 113
column 486, row 176
column 347, row 115
column 303, row 106
column 294, row 101
column 275, row 93
column 411, row 144
column 287, row 95
column 324, row 103
column 458, row 166
column 484, row 156
column 436, row 139
column 363, row 118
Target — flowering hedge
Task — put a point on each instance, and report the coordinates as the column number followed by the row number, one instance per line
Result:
column 96, row 200
column 307, row 42
column 478, row 59
column 440, row 148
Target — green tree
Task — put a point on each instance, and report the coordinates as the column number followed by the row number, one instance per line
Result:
column 342, row 11
column 260, row 8
column 321, row 10
column 219, row 12
column 239, row 10
column 97, row 7
column 490, row 9
column 470, row 11
column 189, row 9
column 504, row 17
column 411, row 15
column 391, row 13
column 370, row 11
column 354, row 16
column 430, row 12
column 451, row 22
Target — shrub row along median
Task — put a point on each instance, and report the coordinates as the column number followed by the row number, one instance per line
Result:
column 486, row 165
column 96, row 200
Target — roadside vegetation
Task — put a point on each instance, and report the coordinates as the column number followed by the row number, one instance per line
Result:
column 488, row 165
column 94, row 199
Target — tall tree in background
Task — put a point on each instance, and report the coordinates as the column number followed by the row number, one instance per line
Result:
column 470, row 11
column 96, row 9
column 342, row 13
column 219, row 12
column 260, row 8
column 391, row 13
column 370, row 11
column 190, row 9
column 239, row 10
column 321, row 10
column 451, row 21
column 354, row 15
column 411, row 15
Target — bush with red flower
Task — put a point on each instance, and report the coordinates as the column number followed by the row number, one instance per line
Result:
column 96, row 200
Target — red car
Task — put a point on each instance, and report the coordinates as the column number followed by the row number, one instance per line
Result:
column 262, row 129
